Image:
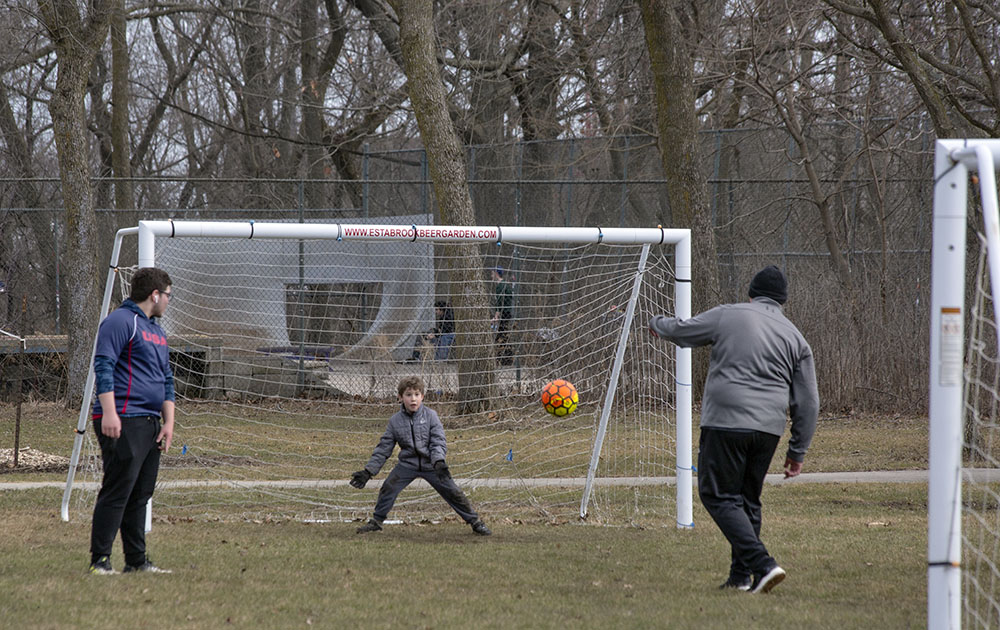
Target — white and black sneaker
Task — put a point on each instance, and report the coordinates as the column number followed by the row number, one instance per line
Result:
column 764, row 583
column 101, row 566
column 741, row 583
column 145, row 567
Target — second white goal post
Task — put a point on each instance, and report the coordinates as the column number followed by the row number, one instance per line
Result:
column 288, row 340
column 963, row 537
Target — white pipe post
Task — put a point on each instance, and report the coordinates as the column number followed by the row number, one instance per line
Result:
column 88, row 387
column 147, row 258
column 946, row 363
column 684, row 389
column 147, row 243
column 616, row 368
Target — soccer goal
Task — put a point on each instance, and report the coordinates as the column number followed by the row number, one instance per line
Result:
column 963, row 575
column 288, row 341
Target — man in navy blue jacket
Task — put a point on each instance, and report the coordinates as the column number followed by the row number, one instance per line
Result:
column 133, row 419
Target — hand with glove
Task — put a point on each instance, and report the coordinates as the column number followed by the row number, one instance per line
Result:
column 360, row 478
column 441, row 468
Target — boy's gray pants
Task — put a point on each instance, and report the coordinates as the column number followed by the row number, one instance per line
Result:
column 402, row 476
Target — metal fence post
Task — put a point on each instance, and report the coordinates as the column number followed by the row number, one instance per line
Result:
column 301, row 376
column 365, row 180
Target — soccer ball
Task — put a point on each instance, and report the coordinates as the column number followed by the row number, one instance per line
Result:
column 559, row 397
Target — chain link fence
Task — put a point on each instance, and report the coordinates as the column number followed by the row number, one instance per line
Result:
column 868, row 328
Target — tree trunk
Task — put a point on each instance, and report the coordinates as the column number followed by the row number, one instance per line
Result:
column 451, row 188
column 120, row 146
column 77, row 43
column 311, row 131
column 672, row 65
column 23, row 232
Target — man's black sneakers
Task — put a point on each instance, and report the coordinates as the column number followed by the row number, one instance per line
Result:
column 481, row 529
column 736, row 583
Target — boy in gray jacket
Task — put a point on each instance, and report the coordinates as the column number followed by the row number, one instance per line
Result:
column 422, row 448
column 761, row 369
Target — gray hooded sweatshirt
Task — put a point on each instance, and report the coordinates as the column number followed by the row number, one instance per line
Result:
column 420, row 436
column 760, row 369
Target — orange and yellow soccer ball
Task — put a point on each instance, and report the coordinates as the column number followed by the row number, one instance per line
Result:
column 560, row 398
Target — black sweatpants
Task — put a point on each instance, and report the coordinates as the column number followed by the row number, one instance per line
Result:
column 131, row 464
column 402, row 476
column 731, row 470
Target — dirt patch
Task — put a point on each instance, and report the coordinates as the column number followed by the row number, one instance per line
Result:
column 30, row 460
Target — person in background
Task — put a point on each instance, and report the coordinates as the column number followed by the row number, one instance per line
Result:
column 442, row 336
column 503, row 311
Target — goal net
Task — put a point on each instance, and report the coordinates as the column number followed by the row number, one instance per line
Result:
column 964, row 482
column 288, row 341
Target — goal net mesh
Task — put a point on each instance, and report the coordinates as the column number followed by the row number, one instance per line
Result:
column 981, row 459
column 287, row 355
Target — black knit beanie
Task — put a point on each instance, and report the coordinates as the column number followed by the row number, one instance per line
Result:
column 770, row 283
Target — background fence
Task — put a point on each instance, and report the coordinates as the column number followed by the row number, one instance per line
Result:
column 869, row 333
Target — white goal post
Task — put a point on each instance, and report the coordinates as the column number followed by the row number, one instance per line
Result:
column 953, row 403
column 411, row 261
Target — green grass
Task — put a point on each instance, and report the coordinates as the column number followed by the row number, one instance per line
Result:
column 847, row 443
column 854, row 554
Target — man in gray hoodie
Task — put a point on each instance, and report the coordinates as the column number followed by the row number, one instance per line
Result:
column 760, row 370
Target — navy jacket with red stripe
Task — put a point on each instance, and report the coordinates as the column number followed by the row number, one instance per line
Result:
column 137, row 349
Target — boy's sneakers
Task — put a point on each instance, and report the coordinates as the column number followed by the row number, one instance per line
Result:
column 101, row 566
column 736, row 583
column 145, row 567
column 481, row 529
column 371, row 526
column 764, row 583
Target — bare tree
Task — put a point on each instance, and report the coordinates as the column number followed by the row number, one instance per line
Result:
column 780, row 126
column 782, row 68
column 451, row 188
column 672, row 29
column 77, row 40
column 948, row 51
column 592, row 29
column 120, row 95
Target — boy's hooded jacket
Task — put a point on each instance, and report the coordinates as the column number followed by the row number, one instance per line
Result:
column 420, row 436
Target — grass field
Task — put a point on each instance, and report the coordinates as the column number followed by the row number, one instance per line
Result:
column 855, row 555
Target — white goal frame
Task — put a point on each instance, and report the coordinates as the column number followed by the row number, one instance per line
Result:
column 148, row 231
column 954, row 160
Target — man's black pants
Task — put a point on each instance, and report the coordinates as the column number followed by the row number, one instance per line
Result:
column 131, row 463
column 731, row 470
column 402, row 476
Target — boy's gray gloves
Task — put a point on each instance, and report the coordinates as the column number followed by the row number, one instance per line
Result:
column 442, row 471
column 360, row 478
